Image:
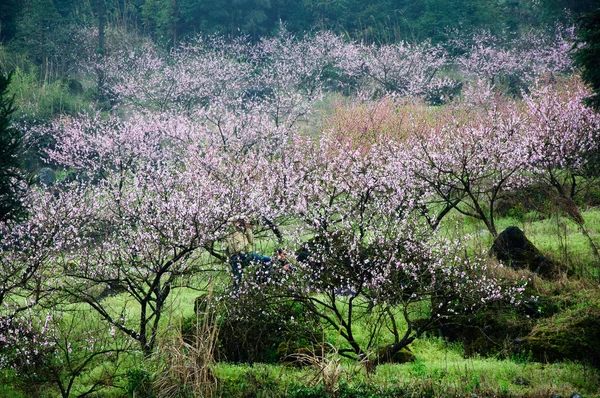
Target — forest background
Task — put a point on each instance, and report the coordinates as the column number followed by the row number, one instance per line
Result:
column 40, row 28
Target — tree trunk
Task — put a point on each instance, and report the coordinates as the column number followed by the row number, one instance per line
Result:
column 101, row 49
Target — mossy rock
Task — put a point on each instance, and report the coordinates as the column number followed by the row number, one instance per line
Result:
column 572, row 335
column 390, row 355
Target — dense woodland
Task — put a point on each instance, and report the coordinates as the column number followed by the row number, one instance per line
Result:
column 299, row 199
column 381, row 21
column 44, row 29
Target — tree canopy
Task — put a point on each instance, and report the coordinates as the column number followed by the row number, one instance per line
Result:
column 10, row 150
column 587, row 56
column 34, row 22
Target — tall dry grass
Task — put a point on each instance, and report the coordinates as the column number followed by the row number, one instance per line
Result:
column 187, row 360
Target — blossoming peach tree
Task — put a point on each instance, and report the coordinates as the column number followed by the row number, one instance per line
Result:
column 153, row 194
column 364, row 251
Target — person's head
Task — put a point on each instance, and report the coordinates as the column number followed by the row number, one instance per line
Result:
column 240, row 222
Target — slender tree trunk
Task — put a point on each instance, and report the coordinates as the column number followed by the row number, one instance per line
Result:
column 174, row 23
column 101, row 49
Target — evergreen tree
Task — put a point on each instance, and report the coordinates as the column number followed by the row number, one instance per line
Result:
column 9, row 9
column 10, row 155
column 565, row 11
column 587, row 56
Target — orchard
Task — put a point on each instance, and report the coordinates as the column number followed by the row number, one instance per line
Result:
column 354, row 166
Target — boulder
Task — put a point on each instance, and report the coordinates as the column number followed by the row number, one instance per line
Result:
column 46, row 176
column 514, row 249
column 390, row 355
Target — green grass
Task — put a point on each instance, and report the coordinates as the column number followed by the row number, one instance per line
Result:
column 440, row 370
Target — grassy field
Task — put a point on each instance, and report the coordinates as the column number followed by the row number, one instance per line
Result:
column 440, row 370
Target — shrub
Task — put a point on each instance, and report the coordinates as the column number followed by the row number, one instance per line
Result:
column 139, row 384
column 254, row 328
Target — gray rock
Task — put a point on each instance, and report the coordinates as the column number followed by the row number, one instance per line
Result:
column 46, row 176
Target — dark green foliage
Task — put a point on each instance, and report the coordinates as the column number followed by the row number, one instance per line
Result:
column 293, row 13
column 47, row 33
column 438, row 15
column 161, row 18
column 11, row 152
column 44, row 28
column 9, row 9
column 554, row 10
column 543, row 328
column 254, row 328
column 139, row 384
column 489, row 332
column 232, row 18
column 11, row 385
column 587, row 56
column 591, row 196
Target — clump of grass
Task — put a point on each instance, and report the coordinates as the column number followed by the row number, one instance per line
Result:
column 327, row 368
column 186, row 362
